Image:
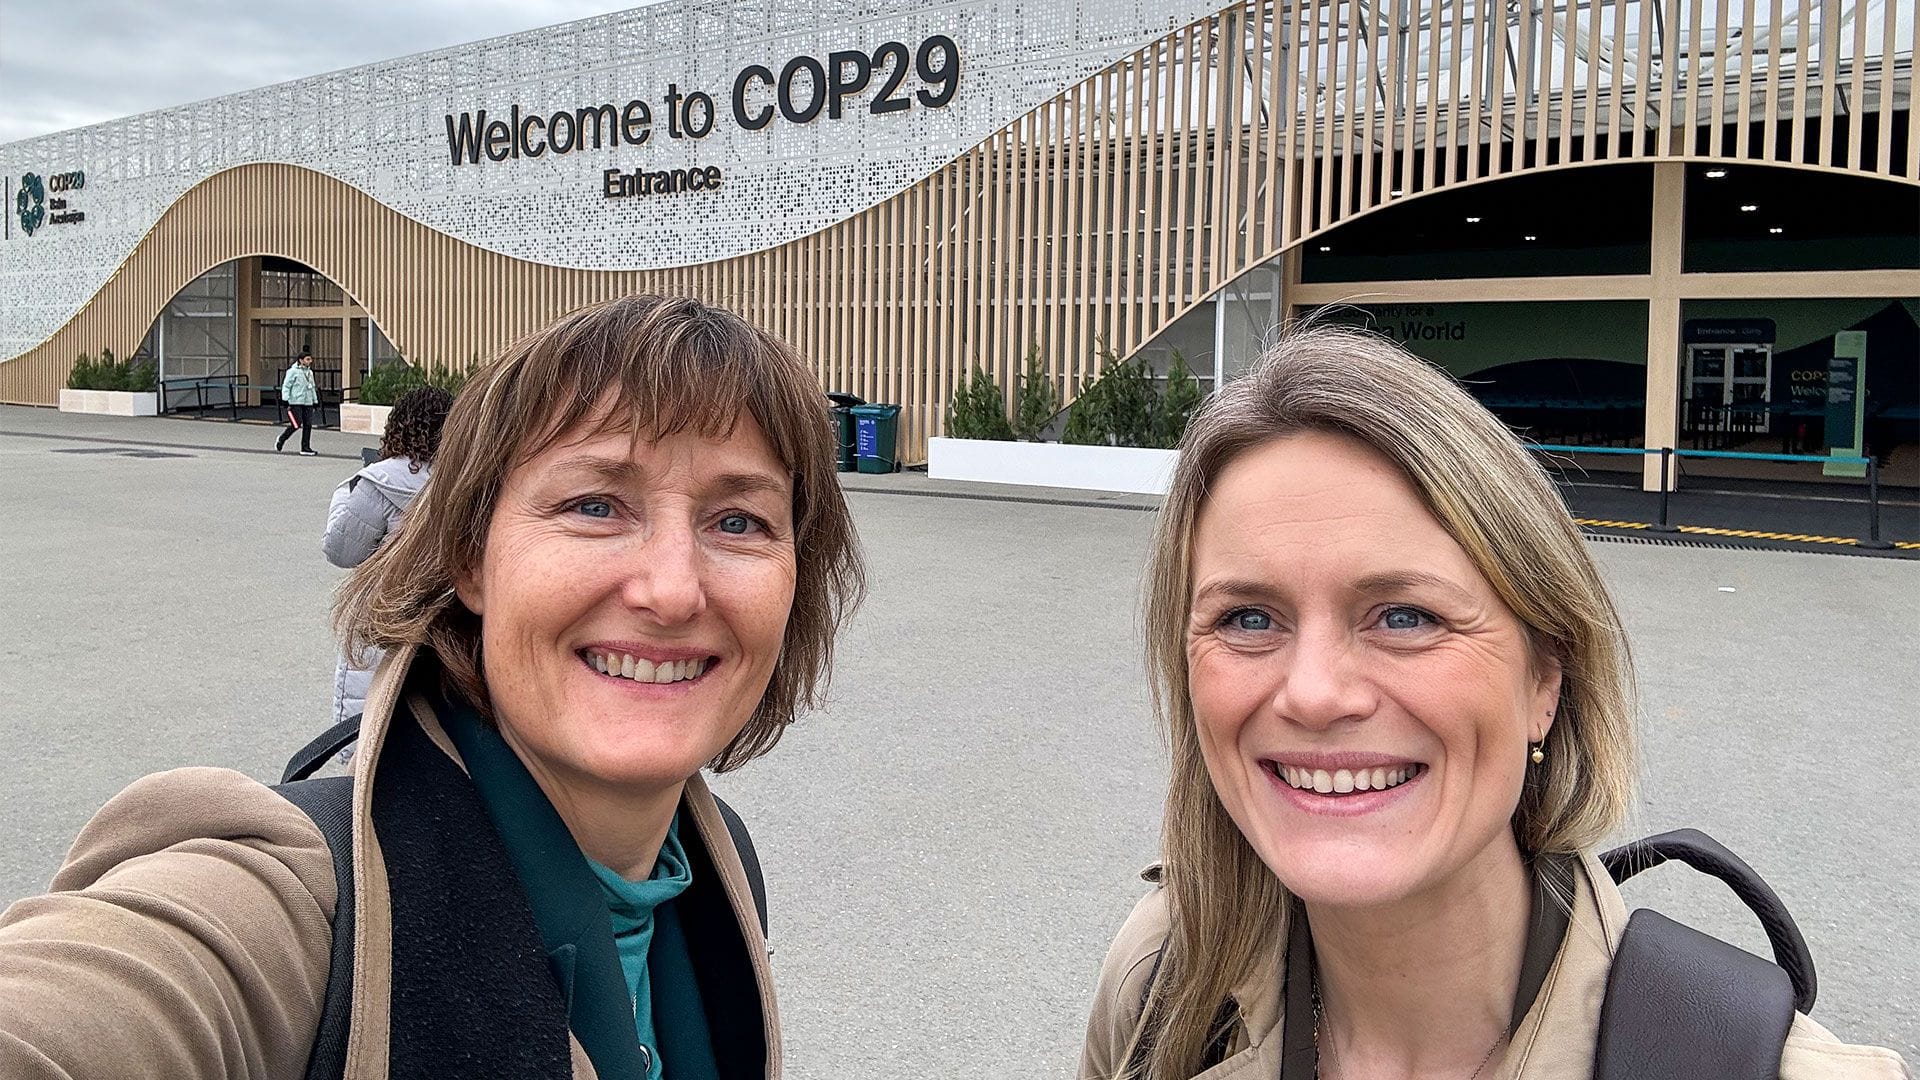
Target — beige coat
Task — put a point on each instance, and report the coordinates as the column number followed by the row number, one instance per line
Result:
column 186, row 935
column 1556, row 1039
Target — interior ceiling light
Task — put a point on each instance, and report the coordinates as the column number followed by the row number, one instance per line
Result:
column 1716, row 174
column 1530, row 236
column 1776, row 230
column 1326, row 247
column 1396, row 193
column 1748, row 208
column 1473, row 221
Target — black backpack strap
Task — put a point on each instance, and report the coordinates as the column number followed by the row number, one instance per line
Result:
column 1707, row 855
column 312, row 756
column 329, row 802
column 749, row 859
column 1683, row 1005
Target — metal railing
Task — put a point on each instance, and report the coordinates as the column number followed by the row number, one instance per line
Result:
column 1669, row 453
column 231, row 390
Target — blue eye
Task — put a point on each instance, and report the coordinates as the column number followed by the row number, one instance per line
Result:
column 736, row 524
column 1405, row 618
column 1249, row 619
column 595, row 508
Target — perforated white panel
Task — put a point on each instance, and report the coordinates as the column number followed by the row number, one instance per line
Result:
column 383, row 129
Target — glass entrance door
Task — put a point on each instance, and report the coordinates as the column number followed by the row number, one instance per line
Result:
column 1750, row 389
column 1704, row 408
column 1729, row 391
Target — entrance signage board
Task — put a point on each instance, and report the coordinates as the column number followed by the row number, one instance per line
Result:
column 1727, row 332
column 1846, row 404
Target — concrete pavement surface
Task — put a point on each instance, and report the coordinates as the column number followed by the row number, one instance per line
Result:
column 950, row 845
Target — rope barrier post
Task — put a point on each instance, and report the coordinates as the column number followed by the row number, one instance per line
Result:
column 1666, row 490
column 1873, row 508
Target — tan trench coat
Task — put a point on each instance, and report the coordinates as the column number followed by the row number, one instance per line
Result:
column 1556, row 1039
column 186, row 936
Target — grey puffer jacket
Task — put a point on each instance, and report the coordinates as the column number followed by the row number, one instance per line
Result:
column 366, row 507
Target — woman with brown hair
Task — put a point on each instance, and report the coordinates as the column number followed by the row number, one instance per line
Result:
column 1400, row 709
column 630, row 565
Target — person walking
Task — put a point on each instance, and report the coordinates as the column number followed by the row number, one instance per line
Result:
column 298, row 396
column 367, row 508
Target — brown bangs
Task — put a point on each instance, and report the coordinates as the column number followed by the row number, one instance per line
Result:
column 654, row 370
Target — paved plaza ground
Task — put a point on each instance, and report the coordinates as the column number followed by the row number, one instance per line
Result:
column 951, row 844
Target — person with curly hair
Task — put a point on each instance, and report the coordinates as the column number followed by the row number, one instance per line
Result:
column 369, row 505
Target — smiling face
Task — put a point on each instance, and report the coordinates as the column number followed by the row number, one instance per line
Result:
column 633, row 599
column 1363, row 698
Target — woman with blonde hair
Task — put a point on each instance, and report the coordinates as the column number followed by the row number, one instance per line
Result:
column 630, row 566
column 1400, row 710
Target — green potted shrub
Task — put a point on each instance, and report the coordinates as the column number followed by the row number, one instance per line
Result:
column 1175, row 404
column 111, row 387
column 1036, row 402
column 978, row 410
column 383, row 386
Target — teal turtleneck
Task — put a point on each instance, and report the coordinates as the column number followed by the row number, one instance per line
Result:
column 634, row 906
column 631, row 995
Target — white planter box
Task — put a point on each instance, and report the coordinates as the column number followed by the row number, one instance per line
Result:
column 110, row 402
column 364, row 419
column 1093, row 468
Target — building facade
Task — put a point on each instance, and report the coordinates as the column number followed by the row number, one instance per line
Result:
column 907, row 191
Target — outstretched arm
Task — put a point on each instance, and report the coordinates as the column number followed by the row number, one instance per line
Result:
column 186, row 937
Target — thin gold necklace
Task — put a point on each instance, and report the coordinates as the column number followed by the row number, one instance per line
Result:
column 1319, row 1018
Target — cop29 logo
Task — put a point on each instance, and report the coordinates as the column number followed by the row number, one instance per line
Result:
column 31, row 203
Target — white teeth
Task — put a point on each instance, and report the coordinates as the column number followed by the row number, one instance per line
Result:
column 1340, row 781
column 641, row 669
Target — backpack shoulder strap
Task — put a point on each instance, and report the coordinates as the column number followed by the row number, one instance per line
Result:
column 749, row 859
column 312, row 756
column 329, row 802
column 1683, row 1004
column 1709, row 856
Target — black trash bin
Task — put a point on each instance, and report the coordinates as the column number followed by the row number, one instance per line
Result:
column 876, row 434
column 842, row 412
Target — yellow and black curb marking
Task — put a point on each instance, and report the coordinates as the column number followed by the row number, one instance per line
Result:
column 1744, row 534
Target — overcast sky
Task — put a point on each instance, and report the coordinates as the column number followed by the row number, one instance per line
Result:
column 67, row 63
